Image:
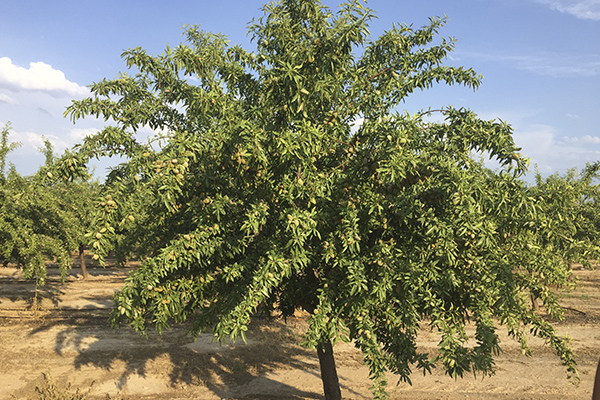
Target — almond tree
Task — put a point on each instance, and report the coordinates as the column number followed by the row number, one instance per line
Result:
column 569, row 204
column 571, row 201
column 289, row 178
column 77, row 197
column 5, row 148
column 41, row 218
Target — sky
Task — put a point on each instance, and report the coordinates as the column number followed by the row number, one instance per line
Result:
column 540, row 62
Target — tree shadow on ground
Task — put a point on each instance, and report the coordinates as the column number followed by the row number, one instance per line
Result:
column 19, row 293
column 229, row 371
column 238, row 370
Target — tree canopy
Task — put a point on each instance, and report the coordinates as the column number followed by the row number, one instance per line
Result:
column 42, row 218
column 570, row 202
column 289, row 177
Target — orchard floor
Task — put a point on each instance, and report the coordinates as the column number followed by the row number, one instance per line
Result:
column 68, row 340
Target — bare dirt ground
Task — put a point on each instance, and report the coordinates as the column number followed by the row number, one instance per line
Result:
column 69, row 340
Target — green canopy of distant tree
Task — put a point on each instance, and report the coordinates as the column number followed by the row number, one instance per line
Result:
column 42, row 218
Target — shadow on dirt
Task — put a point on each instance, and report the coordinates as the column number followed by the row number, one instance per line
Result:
column 17, row 293
column 71, row 337
column 75, row 315
column 228, row 370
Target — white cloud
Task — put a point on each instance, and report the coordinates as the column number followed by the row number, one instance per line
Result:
column 4, row 98
column 546, row 146
column 38, row 77
column 558, row 64
column 356, row 124
column 28, row 158
column 587, row 139
column 552, row 154
column 550, row 64
column 30, row 141
column 582, row 9
column 76, row 135
column 33, row 141
column 536, row 140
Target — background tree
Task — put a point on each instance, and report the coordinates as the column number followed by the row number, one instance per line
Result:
column 571, row 201
column 77, row 197
column 288, row 177
column 5, row 148
column 42, row 219
column 570, row 206
column 30, row 227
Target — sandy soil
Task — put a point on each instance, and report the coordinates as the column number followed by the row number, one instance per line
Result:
column 67, row 338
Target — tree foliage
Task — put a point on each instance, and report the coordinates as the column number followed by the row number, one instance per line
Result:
column 571, row 203
column 288, row 177
column 41, row 218
column 5, row 148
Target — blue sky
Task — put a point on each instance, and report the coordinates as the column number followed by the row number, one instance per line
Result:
column 540, row 61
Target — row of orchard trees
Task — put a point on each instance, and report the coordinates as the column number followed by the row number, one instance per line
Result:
column 42, row 217
column 261, row 189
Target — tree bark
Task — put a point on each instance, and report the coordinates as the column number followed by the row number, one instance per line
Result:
column 534, row 304
column 82, row 262
column 331, row 383
column 596, row 392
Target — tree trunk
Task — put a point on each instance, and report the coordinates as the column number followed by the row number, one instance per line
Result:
column 331, row 384
column 534, row 304
column 596, row 392
column 82, row 262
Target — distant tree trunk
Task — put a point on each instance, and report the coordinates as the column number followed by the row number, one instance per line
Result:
column 331, row 383
column 534, row 304
column 596, row 392
column 82, row 262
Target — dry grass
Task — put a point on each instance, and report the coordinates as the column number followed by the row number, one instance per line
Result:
column 50, row 390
